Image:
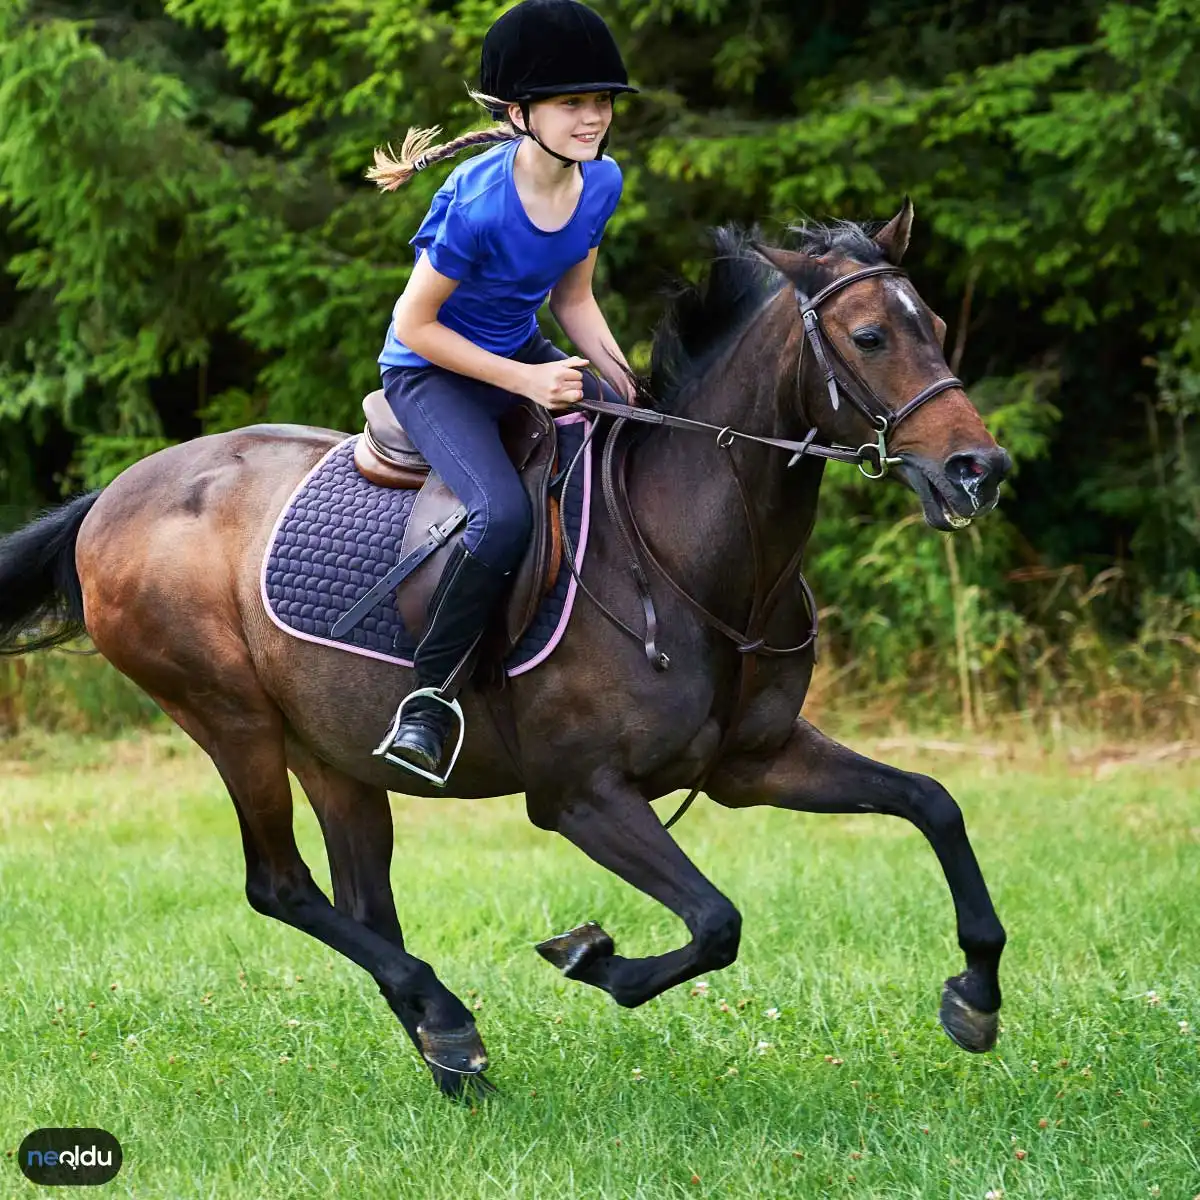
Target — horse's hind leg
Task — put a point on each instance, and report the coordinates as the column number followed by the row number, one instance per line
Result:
column 245, row 739
column 615, row 825
column 356, row 822
column 812, row 773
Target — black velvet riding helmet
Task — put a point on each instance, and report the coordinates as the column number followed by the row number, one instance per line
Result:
column 550, row 48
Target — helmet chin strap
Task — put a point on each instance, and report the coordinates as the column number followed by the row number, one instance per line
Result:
column 562, row 158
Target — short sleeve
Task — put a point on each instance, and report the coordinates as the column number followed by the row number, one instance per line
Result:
column 447, row 236
column 614, row 182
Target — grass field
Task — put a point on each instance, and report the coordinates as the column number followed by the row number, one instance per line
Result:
column 234, row 1057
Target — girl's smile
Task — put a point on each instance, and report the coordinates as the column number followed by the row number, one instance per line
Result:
column 572, row 125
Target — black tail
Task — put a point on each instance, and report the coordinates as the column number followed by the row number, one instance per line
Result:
column 39, row 586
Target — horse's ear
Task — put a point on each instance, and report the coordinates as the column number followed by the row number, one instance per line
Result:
column 787, row 262
column 892, row 239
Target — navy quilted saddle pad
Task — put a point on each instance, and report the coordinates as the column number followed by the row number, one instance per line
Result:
column 340, row 534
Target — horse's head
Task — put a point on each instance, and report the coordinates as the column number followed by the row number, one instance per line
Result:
column 872, row 371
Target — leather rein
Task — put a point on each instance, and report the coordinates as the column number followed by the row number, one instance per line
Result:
column 872, row 459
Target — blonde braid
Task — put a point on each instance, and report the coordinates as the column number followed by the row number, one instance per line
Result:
column 419, row 152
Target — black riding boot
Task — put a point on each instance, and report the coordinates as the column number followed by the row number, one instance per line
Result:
column 458, row 611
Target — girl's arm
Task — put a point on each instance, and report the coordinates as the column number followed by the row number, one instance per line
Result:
column 575, row 309
column 553, row 385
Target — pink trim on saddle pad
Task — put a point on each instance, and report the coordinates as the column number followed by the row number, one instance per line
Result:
column 568, row 603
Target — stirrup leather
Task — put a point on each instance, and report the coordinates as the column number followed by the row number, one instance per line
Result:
column 383, row 749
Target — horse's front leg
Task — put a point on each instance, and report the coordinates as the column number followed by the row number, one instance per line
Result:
column 613, row 824
column 811, row 773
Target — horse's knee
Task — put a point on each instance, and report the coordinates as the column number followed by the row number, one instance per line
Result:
column 719, row 932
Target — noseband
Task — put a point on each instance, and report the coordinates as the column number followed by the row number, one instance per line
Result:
column 841, row 379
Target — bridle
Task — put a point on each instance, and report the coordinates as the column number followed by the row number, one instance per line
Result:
column 841, row 379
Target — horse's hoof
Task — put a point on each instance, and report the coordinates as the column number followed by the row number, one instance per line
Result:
column 458, row 1051
column 966, row 1026
column 573, row 951
column 468, row 1089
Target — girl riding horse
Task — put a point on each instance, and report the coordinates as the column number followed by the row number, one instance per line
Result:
column 516, row 224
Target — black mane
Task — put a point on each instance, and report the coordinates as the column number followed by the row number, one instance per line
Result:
column 702, row 320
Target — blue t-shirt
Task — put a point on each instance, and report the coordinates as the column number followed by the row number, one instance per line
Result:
column 478, row 232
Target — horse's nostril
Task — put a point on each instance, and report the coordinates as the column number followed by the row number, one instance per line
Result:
column 976, row 467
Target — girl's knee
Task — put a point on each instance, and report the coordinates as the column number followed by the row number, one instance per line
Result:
column 509, row 527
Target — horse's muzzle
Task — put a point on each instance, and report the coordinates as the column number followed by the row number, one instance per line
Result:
column 965, row 486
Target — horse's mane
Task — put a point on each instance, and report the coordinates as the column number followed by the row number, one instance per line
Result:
column 702, row 320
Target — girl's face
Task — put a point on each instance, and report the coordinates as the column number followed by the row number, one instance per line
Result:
column 572, row 125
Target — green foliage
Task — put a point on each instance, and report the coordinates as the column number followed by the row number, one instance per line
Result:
column 71, row 692
column 188, row 245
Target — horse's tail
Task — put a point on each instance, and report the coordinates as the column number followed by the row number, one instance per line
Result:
column 39, row 585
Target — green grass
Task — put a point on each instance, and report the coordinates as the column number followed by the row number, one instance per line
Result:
column 234, row 1057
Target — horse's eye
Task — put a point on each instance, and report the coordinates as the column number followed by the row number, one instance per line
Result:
column 867, row 339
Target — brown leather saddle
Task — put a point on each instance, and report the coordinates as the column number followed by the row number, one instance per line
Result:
column 387, row 457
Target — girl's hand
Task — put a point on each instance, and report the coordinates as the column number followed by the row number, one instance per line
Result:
column 554, row 385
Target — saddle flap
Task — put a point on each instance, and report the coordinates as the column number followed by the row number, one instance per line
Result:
column 523, row 430
column 434, row 503
column 538, row 437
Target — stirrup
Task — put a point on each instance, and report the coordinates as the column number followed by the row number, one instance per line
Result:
column 381, row 751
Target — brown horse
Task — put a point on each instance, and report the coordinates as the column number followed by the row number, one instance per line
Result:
column 162, row 570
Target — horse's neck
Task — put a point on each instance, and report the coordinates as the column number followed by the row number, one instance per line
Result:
column 684, row 491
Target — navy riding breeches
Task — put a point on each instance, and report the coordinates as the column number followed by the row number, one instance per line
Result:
column 452, row 420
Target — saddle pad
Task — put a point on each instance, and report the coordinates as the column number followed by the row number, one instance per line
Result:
column 339, row 535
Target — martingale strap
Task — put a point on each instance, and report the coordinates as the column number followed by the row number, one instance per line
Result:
column 749, row 644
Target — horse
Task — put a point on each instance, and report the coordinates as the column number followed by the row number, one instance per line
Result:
column 791, row 356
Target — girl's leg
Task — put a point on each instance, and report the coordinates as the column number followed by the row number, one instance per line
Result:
column 452, row 420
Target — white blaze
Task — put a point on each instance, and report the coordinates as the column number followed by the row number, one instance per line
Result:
column 901, row 291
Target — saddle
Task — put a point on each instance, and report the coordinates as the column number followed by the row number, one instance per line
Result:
column 386, row 456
